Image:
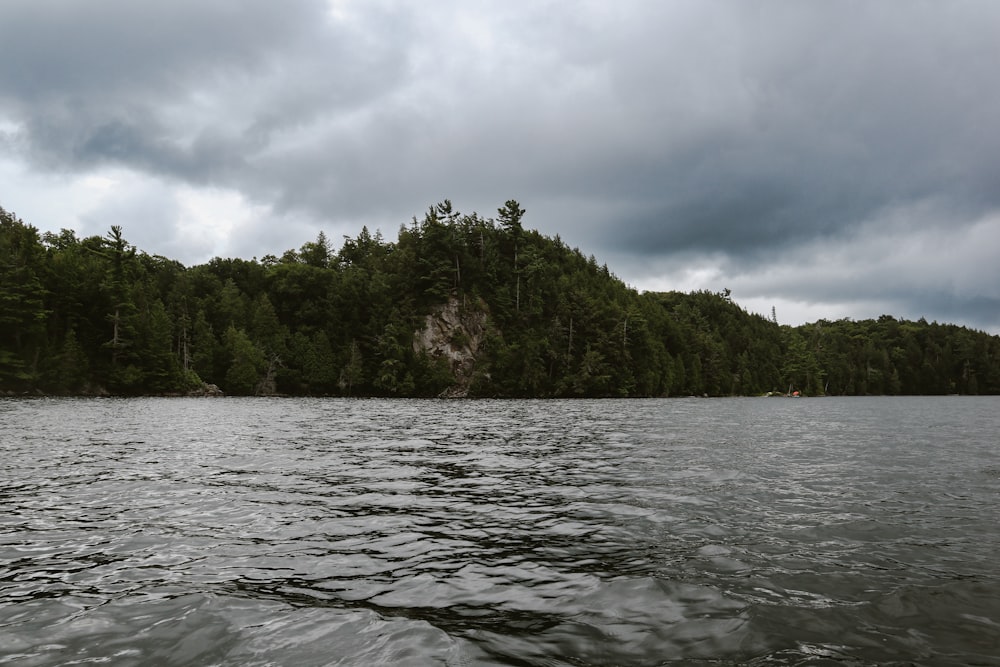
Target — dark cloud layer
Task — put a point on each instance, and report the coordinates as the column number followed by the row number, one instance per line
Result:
column 804, row 154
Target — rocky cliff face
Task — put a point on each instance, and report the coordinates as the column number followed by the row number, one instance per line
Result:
column 453, row 332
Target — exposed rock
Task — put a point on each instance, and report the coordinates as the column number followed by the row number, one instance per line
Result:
column 454, row 332
column 268, row 385
column 207, row 390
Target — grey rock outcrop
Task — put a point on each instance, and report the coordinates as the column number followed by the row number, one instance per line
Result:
column 454, row 332
column 207, row 390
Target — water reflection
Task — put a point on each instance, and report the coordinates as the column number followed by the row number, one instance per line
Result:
column 424, row 532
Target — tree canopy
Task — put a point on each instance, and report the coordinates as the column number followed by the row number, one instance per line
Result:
column 97, row 315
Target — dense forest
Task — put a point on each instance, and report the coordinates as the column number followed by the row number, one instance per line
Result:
column 458, row 305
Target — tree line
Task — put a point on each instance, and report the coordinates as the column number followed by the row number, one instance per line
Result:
column 96, row 315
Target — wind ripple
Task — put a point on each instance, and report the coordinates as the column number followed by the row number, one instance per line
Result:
column 257, row 532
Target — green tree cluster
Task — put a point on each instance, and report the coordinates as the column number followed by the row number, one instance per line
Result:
column 96, row 315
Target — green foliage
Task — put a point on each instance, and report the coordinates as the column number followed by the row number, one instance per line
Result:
column 96, row 315
column 22, row 302
column 246, row 363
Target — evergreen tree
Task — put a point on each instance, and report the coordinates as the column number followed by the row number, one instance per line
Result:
column 95, row 314
column 246, row 363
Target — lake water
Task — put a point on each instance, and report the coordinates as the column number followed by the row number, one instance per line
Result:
column 365, row 532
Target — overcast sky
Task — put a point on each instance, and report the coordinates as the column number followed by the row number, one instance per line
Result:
column 832, row 158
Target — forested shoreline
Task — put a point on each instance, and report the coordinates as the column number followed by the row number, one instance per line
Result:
column 458, row 305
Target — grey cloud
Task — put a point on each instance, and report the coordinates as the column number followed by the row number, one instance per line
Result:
column 664, row 134
column 120, row 47
column 187, row 90
column 858, row 116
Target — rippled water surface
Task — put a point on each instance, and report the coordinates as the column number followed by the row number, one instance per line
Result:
column 366, row 532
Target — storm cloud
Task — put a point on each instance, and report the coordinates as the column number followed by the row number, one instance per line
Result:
column 831, row 159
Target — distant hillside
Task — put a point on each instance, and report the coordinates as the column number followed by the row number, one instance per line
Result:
column 459, row 305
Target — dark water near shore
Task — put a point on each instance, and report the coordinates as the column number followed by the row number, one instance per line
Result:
column 365, row 532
